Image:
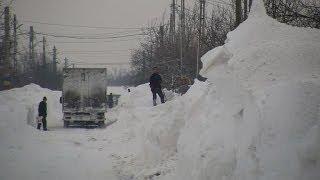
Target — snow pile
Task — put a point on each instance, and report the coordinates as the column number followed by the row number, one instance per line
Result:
column 143, row 123
column 117, row 89
column 260, row 118
column 24, row 101
column 256, row 117
column 162, row 135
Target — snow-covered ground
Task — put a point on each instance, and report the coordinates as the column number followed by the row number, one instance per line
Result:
column 256, row 117
column 26, row 153
column 73, row 153
column 117, row 89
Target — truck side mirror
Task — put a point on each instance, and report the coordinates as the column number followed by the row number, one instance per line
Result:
column 60, row 100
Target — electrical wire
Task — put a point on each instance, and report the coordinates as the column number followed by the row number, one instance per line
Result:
column 96, row 34
column 86, row 54
column 100, row 56
column 88, row 63
column 89, row 38
column 95, row 42
column 79, row 26
column 109, row 50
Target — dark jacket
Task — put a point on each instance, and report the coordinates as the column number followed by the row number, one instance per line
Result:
column 110, row 99
column 42, row 109
column 155, row 81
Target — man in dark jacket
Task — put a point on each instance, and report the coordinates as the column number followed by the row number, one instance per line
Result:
column 42, row 111
column 155, row 85
column 110, row 101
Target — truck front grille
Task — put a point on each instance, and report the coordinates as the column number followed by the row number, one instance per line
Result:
column 82, row 113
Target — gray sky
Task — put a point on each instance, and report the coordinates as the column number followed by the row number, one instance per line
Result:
column 122, row 14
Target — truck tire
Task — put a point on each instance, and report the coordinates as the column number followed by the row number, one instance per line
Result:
column 66, row 124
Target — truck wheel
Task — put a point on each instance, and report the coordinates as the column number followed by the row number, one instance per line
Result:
column 66, row 124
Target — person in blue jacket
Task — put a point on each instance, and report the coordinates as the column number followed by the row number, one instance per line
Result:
column 155, row 85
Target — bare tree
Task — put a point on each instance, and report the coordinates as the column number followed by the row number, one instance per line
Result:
column 158, row 49
column 303, row 13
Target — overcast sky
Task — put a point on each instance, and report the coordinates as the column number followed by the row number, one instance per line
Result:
column 123, row 14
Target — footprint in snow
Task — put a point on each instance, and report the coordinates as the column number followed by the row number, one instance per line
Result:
column 92, row 139
column 77, row 143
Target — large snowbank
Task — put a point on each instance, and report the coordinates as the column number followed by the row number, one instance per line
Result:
column 22, row 101
column 260, row 118
column 256, row 117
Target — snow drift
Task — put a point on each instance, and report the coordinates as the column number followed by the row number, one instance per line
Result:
column 260, row 118
column 256, row 117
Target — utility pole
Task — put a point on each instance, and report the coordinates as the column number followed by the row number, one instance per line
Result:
column 54, row 60
column 274, row 9
column 182, row 34
column 44, row 63
column 31, row 48
column 6, row 41
column 15, row 45
column 238, row 13
column 200, row 32
column 66, row 63
column 172, row 21
column 245, row 9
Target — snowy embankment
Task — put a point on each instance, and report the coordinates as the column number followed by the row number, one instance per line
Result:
column 256, row 117
column 260, row 118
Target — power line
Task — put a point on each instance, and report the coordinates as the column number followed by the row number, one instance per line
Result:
column 109, row 50
column 99, row 56
column 79, row 26
column 99, row 53
column 98, row 34
column 91, row 27
column 114, row 38
column 88, row 63
column 85, row 63
column 94, row 42
column 82, row 37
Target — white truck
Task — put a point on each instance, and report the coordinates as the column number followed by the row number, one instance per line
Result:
column 84, row 96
